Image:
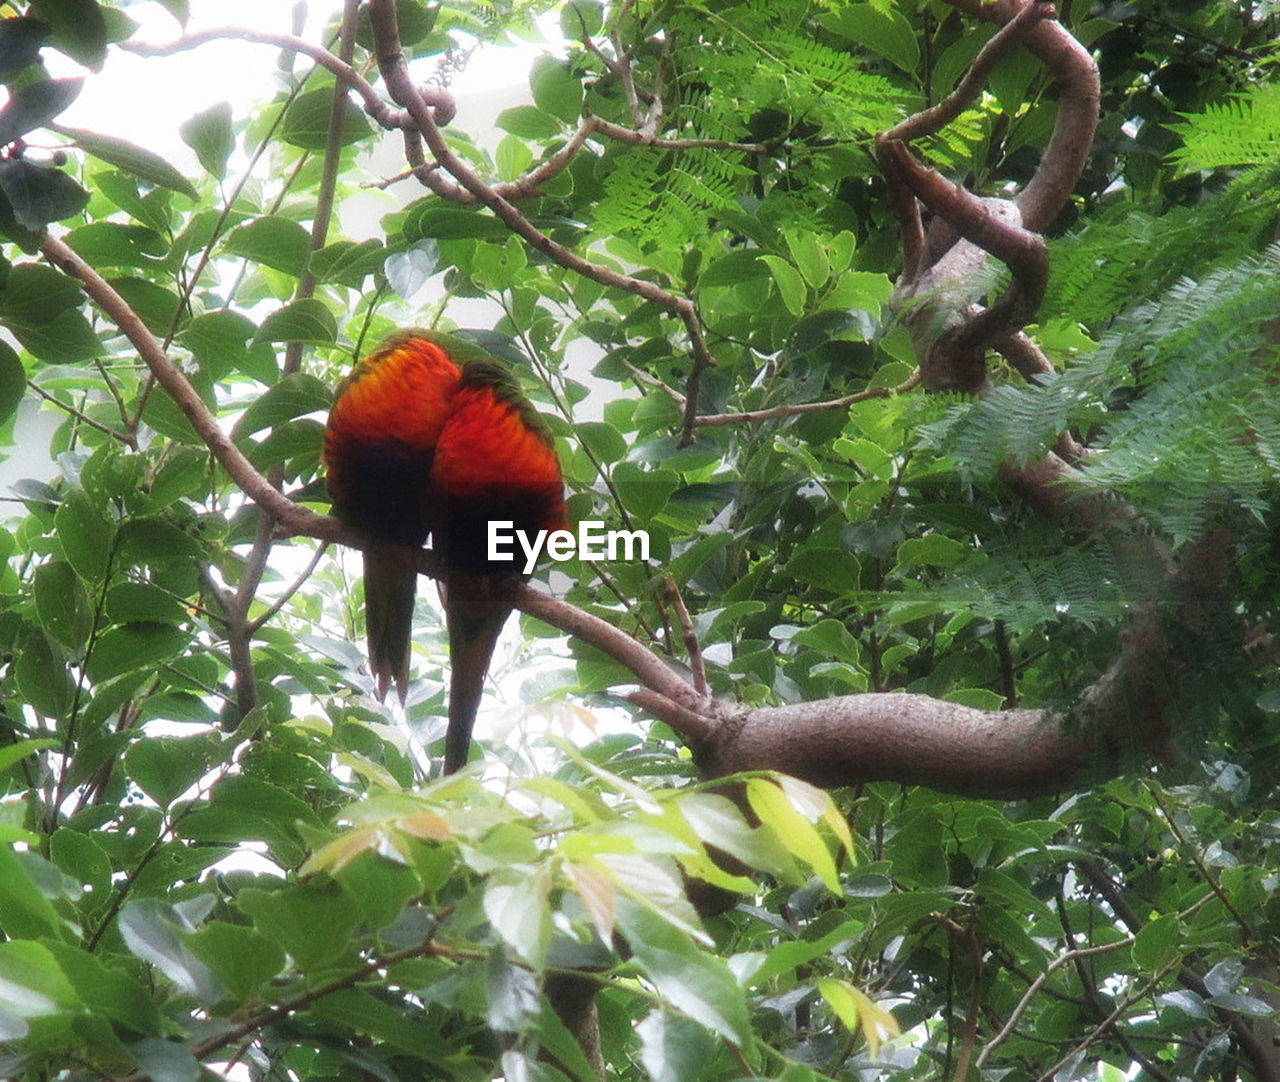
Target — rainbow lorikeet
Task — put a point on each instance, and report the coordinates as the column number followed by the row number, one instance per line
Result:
column 430, row 436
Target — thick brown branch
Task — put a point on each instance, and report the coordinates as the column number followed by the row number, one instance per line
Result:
column 1079, row 91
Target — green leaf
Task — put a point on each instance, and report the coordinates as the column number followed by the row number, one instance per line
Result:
column 297, row 394
column 114, row 244
column 933, row 550
column 644, row 492
column 776, row 811
column 65, row 339
column 580, row 18
column 414, row 20
column 20, row 41
column 306, row 121
column 40, row 194
column 696, row 983
column 348, row 263
column 512, row 157
column 13, row 382
column 209, row 134
column 25, row 912
column 154, row 932
column 217, row 339
column 165, row 767
column 311, row 922
column 34, row 105
column 674, row 1048
column 243, row 959
column 809, row 256
column 35, row 294
column 529, row 122
column 602, row 440
column 78, row 29
column 556, row 90
column 137, row 161
column 42, row 677
column 408, row 271
column 307, row 320
column 884, row 32
column 85, row 536
column 12, row 754
column 827, row 568
column 516, row 904
column 107, row 989
column 742, row 265
column 1158, row 943
column 85, row 861
column 31, row 981
column 155, row 305
column 135, row 647
column 790, row 284
column 272, row 241
column 62, row 604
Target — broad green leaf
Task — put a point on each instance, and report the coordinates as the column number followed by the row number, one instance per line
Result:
column 85, row 536
column 297, row 394
column 673, row 1048
column 810, row 257
column 856, row 1010
column 165, row 767
column 154, row 931
column 828, row 568
column 932, row 550
column 414, row 19
column 135, row 160
column 114, row 244
column 31, row 982
column 85, row 861
column 12, row 754
column 1158, row 943
column 789, row 282
column 62, row 604
column 20, row 41
column 512, row 157
column 306, row 121
column 272, row 241
column 135, row 647
column 209, row 134
column 312, row 922
column 42, row 677
column 517, row 907
column 13, row 381
column 108, row 989
column 644, row 493
column 243, row 959
column 157, row 306
column 65, row 339
column 25, row 912
column 307, row 320
column 696, row 983
column 408, row 271
column 581, row 18
column 78, row 28
column 556, row 90
column 529, row 122
column 348, row 263
column 34, row 105
column 779, row 813
column 40, row 194
column 884, row 32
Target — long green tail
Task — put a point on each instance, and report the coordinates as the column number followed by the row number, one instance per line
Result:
column 475, row 609
column 390, row 581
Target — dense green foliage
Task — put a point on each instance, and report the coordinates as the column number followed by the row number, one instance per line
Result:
column 219, row 848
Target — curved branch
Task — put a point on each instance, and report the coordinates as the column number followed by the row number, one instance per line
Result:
column 292, row 517
column 395, row 73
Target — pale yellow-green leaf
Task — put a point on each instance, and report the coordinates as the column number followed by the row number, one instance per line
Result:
column 777, row 812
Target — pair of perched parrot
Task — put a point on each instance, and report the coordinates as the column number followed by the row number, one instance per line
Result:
column 430, row 437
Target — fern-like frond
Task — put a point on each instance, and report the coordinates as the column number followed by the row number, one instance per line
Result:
column 1242, row 131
